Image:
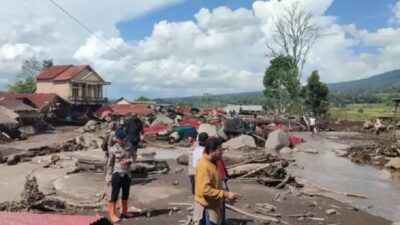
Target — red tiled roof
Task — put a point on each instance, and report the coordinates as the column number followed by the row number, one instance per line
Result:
column 184, row 110
column 140, row 109
column 41, row 101
column 70, row 73
column 19, row 218
column 207, row 111
column 62, row 72
column 52, row 72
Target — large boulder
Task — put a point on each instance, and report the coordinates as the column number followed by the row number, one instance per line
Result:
column 368, row 125
column 162, row 120
column 234, row 126
column 209, row 129
column 90, row 126
column 277, row 140
column 239, row 142
column 90, row 141
column 394, row 163
column 183, row 159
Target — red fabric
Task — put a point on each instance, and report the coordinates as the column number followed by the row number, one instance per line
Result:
column 17, row 218
column 279, row 127
column 223, row 172
column 155, row 129
column 192, row 122
column 295, row 140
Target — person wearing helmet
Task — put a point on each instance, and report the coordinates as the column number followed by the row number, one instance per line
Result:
column 121, row 157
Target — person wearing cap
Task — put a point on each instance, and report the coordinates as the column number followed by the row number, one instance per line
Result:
column 118, row 174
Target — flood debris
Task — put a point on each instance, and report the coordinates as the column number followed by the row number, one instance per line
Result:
column 381, row 155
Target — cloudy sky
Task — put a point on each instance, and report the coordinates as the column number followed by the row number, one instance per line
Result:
column 166, row 48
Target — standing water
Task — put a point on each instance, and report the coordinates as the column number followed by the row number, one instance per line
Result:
column 327, row 170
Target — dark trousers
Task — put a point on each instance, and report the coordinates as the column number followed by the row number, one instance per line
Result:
column 118, row 183
column 192, row 183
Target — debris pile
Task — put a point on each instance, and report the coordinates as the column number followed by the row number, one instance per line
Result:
column 264, row 168
column 382, row 155
column 67, row 146
column 33, row 200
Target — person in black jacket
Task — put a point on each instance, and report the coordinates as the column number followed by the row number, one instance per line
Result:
column 135, row 131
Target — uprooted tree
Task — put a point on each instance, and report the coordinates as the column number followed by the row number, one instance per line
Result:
column 26, row 78
column 316, row 94
column 293, row 36
column 280, row 82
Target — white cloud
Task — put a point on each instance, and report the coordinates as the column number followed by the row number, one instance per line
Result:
column 396, row 12
column 219, row 51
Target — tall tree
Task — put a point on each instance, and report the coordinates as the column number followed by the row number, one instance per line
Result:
column 294, row 35
column 316, row 94
column 142, row 99
column 27, row 77
column 280, row 82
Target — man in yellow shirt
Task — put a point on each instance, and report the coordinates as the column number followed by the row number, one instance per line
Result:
column 209, row 194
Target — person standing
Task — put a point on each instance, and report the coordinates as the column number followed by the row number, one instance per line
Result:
column 209, row 195
column 118, row 175
column 135, row 131
column 194, row 158
column 312, row 124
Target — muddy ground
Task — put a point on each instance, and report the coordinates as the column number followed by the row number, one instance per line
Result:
column 158, row 191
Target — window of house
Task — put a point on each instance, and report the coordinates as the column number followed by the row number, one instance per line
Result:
column 75, row 90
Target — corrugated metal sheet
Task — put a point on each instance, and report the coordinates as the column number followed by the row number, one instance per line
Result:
column 52, row 72
column 16, row 218
column 16, row 105
column 7, row 116
column 41, row 101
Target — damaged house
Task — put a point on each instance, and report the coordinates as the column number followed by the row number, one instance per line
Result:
column 79, row 85
column 50, row 106
column 8, row 123
column 28, row 117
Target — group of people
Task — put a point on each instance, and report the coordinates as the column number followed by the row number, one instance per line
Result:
column 121, row 151
column 208, row 177
column 207, row 172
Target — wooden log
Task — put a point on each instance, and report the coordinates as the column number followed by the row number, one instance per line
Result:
column 251, row 215
column 246, row 168
column 256, row 170
column 284, row 182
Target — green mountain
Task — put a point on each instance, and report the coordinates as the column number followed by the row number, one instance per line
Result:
column 375, row 89
column 380, row 82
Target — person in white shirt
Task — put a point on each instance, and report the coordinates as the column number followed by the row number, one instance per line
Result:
column 195, row 156
column 312, row 124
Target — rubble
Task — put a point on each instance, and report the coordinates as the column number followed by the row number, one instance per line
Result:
column 383, row 155
column 23, row 156
column 239, row 142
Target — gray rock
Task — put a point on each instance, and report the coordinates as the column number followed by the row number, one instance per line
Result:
column 13, row 160
column 286, row 150
column 330, row 212
column 277, row 140
column 394, row 163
